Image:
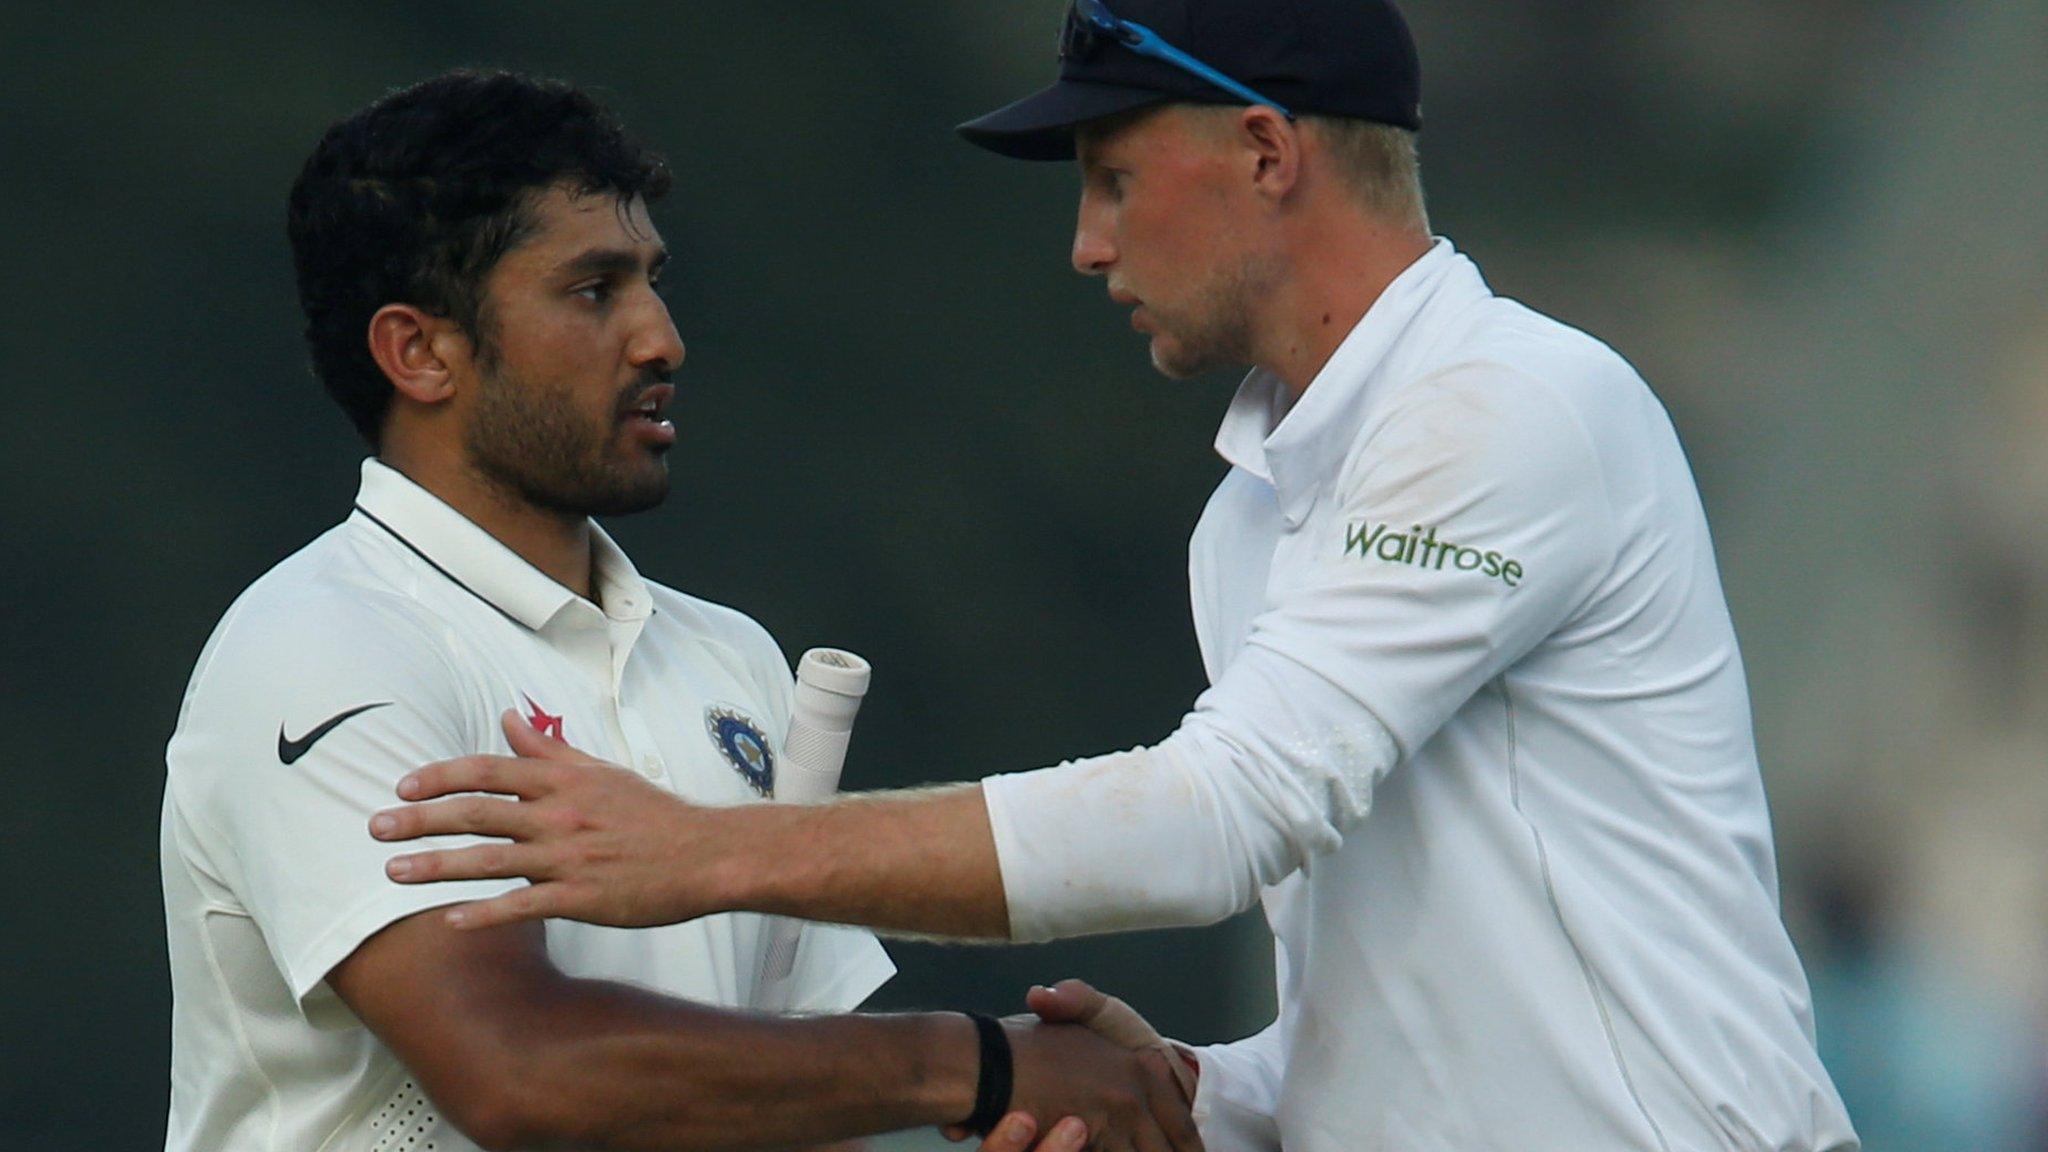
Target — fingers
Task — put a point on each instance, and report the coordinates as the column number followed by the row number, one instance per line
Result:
column 535, row 902
column 480, row 862
column 1077, row 1002
column 1012, row 1133
column 1067, row 1002
column 1088, row 1002
column 526, row 740
column 475, row 815
column 505, row 775
column 1184, row 1066
column 1169, row 1107
column 1069, row 1135
column 1150, row 1139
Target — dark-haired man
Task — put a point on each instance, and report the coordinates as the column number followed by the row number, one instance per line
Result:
column 479, row 274
column 1477, row 732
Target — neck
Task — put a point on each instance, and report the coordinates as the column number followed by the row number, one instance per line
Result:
column 555, row 543
column 1339, row 270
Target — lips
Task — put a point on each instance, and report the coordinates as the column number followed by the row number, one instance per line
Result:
column 1124, row 298
column 643, row 416
column 650, row 404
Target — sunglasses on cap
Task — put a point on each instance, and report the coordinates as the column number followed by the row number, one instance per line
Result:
column 1090, row 24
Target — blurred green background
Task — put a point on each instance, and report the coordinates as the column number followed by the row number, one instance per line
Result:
column 1819, row 227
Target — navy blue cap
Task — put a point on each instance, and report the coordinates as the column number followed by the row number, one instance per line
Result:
column 1352, row 58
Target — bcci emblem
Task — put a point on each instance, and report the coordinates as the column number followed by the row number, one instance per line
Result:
column 740, row 740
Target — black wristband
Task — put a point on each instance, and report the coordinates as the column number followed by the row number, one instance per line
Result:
column 992, row 1089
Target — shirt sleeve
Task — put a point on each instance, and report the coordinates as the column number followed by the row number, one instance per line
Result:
column 1237, row 1098
column 295, row 731
column 1238, row 1094
column 1469, row 525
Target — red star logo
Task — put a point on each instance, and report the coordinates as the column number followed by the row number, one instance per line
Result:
column 543, row 723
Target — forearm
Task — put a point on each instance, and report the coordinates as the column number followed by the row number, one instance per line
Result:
column 1183, row 833
column 608, row 1066
column 919, row 861
column 1139, row 839
column 1134, row 840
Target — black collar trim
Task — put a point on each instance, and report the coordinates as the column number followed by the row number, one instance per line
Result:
column 414, row 548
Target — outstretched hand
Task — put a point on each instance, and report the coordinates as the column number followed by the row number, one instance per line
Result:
column 599, row 843
column 1126, row 1099
column 1077, row 1002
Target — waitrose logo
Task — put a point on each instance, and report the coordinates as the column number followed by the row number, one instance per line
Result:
column 1417, row 550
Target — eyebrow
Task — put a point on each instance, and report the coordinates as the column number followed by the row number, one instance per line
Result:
column 610, row 262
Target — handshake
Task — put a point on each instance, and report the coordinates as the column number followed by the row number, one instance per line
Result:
column 604, row 846
column 1159, row 1119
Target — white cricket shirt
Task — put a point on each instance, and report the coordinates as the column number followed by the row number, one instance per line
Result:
column 1478, row 735
column 417, row 629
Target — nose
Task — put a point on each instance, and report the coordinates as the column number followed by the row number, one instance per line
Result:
column 1094, row 251
column 657, row 345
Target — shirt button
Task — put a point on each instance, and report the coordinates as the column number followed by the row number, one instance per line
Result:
column 650, row 766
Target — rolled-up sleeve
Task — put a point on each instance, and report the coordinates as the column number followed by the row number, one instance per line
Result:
column 1468, row 526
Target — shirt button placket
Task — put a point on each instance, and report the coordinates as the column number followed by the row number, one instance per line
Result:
column 640, row 742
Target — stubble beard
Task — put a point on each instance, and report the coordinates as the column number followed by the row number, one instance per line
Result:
column 1213, row 329
column 531, row 441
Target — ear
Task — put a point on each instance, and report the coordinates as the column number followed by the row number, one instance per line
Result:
column 1274, row 142
column 418, row 351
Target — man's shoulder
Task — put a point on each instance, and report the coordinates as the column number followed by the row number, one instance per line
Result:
column 322, row 643
column 1519, row 354
column 1507, row 376
column 1505, row 400
column 325, row 606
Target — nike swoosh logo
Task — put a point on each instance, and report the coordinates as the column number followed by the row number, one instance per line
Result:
column 289, row 750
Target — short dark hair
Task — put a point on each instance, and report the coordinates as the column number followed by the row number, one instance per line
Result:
column 416, row 198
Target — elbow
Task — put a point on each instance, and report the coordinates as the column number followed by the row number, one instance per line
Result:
column 496, row 1133
column 529, row 1109
column 499, row 1120
column 503, row 1105
column 1266, row 816
column 514, row 1120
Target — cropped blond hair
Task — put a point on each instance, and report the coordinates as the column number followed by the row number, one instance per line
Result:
column 1378, row 162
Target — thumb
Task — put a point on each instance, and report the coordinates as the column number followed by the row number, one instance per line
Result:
column 1067, row 1002
column 529, row 742
column 1109, row 1017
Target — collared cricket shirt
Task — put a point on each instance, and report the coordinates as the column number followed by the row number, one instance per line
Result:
column 395, row 640
column 1478, row 736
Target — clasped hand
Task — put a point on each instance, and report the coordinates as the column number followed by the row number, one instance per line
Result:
column 1157, row 1118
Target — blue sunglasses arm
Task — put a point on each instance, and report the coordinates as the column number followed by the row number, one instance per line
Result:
column 1146, row 42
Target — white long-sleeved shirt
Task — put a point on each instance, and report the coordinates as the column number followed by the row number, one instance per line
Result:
column 1478, row 735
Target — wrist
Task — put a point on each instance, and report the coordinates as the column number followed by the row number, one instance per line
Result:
column 946, row 1080
column 995, row 1075
column 748, row 859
